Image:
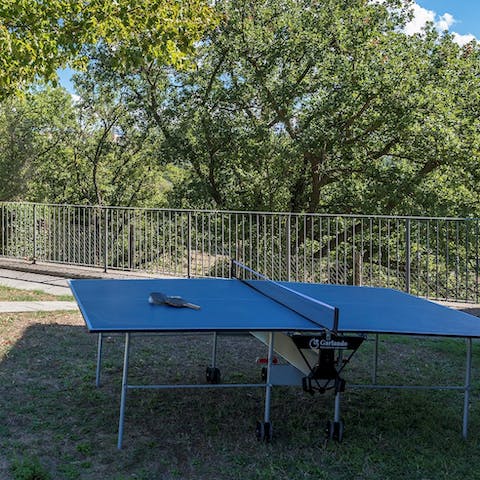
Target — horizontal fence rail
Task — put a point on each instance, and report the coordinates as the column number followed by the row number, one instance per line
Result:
column 431, row 257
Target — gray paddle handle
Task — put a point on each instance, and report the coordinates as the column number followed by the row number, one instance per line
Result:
column 192, row 305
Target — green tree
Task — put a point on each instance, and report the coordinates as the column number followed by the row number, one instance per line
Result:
column 308, row 106
column 89, row 151
column 328, row 106
column 109, row 156
column 15, row 147
column 305, row 106
column 35, row 130
column 37, row 37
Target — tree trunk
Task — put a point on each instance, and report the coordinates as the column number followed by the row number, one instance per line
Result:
column 315, row 163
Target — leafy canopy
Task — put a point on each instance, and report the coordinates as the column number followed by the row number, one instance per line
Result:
column 292, row 105
column 39, row 36
column 315, row 106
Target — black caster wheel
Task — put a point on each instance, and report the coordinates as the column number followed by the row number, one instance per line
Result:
column 213, row 375
column 264, row 431
column 334, row 430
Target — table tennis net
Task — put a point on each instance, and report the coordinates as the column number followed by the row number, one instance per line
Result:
column 319, row 313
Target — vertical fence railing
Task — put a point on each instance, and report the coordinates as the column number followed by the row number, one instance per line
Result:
column 431, row 257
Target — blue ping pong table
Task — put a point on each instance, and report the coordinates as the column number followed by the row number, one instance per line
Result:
column 316, row 328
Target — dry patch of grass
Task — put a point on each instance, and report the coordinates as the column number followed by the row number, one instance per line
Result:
column 54, row 423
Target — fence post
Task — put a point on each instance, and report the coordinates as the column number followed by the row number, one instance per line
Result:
column 358, row 267
column 407, row 255
column 189, row 244
column 105, row 240
column 34, row 253
column 131, row 243
column 2, row 230
column 289, row 249
column 477, row 262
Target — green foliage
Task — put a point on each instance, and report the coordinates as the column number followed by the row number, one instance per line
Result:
column 33, row 129
column 15, row 146
column 93, row 151
column 37, row 37
column 317, row 106
column 292, row 105
column 111, row 158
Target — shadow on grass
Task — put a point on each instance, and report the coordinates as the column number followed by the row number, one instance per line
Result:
column 52, row 416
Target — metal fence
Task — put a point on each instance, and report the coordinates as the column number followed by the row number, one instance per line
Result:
column 431, row 257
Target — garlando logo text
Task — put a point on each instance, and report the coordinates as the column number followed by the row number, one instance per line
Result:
column 316, row 343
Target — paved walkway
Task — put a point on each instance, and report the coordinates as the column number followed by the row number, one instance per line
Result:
column 60, row 270
column 52, row 279
column 34, row 281
column 37, row 306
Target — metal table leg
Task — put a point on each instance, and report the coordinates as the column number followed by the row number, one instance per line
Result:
column 264, row 429
column 214, row 350
column 99, row 359
column 468, row 376
column 336, row 415
column 375, row 361
column 268, row 387
column 124, row 391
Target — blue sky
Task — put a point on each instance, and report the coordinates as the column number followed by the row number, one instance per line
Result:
column 64, row 77
column 459, row 16
column 465, row 12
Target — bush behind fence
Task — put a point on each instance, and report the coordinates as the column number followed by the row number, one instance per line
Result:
column 431, row 257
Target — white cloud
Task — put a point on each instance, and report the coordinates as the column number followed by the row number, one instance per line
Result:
column 441, row 22
column 420, row 17
column 445, row 22
column 75, row 98
column 463, row 39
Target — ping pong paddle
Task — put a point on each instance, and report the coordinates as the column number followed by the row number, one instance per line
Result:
column 158, row 298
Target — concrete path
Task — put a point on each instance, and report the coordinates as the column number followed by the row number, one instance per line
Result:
column 50, row 282
column 62, row 270
column 34, row 281
column 37, row 306
column 53, row 278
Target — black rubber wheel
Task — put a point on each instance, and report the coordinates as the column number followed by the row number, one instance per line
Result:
column 213, row 375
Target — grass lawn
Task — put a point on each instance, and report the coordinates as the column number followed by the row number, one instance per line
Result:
column 54, row 423
column 8, row 294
